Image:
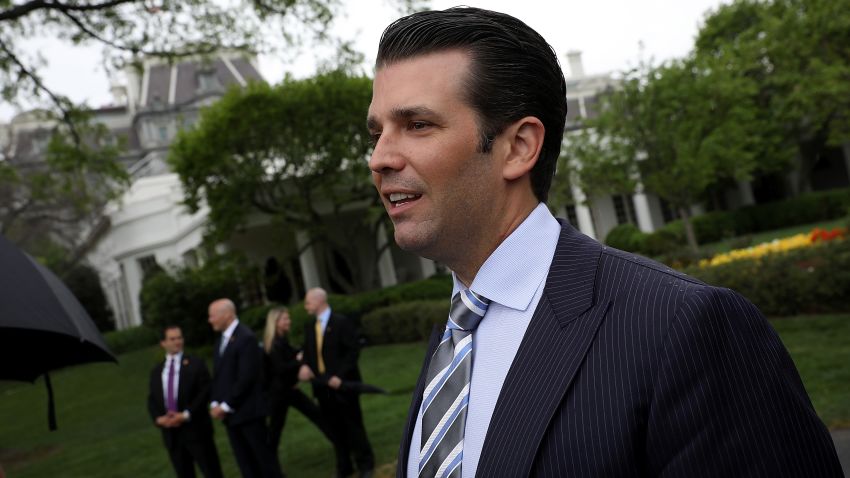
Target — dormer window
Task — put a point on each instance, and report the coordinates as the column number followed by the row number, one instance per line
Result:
column 208, row 81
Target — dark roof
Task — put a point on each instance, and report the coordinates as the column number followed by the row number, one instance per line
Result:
column 188, row 86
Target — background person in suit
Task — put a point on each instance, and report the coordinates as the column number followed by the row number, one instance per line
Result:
column 181, row 414
column 237, row 392
column 561, row 357
column 282, row 364
column 331, row 350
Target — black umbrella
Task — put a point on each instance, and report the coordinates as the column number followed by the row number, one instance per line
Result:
column 43, row 327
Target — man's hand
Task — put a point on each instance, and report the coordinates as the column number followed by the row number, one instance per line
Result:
column 334, row 382
column 176, row 419
column 305, row 374
column 218, row 413
column 163, row 421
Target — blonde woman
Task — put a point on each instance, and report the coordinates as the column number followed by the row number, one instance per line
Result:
column 283, row 362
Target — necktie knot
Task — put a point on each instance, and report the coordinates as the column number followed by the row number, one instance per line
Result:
column 468, row 308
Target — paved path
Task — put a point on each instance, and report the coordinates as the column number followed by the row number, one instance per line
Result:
column 842, row 445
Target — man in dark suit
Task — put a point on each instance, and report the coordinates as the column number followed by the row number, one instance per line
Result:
column 330, row 356
column 237, row 392
column 177, row 401
column 560, row 357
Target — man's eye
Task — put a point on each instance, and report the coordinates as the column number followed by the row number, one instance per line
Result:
column 418, row 125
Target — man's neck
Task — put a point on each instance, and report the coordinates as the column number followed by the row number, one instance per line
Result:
column 467, row 269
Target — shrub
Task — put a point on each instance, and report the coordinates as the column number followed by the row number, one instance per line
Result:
column 84, row 283
column 357, row 305
column 626, row 237
column 128, row 340
column 714, row 226
column 181, row 297
column 405, row 322
column 802, row 209
column 801, row 281
column 669, row 238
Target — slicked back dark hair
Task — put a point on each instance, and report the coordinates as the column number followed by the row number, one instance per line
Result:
column 168, row 327
column 514, row 73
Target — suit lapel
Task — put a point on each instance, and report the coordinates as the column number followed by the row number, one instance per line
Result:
column 184, row 382
column 158, row 392
column 552, row 350
column 413, row 413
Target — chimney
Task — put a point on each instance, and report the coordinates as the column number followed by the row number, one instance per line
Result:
column 119, row 94
column 576, row 68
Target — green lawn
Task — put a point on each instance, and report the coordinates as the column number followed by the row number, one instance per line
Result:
column 104, row 430
column 820, row 347
column 766, row 236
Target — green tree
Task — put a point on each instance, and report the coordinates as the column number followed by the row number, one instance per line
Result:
column 598, row 165
column 797, row 54
column 62, row 192
column 687, row 125
column 296, row 152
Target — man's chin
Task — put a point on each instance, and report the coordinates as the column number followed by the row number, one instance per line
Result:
column 414, row 242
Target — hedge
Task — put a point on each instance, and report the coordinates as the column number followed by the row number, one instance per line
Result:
column 803, row 209
column 355, row 306
column 717, row 225
column 405, row 322
column 128, row 340
column 181, row 297
column 809, row 280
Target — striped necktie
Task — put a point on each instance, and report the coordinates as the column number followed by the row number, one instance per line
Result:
column 446, row 395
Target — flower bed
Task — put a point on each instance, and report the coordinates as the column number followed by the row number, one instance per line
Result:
column 797, row 241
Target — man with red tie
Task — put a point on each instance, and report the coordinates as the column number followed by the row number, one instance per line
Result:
column 177, row 402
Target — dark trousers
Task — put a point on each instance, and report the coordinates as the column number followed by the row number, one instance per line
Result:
column 185, row 453
column 253, row 454
column 279, row 403
column 345, row 420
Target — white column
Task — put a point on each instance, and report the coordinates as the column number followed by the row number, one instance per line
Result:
column 307, row 259
column 642, row 211
column 386, row 268
column 745, row 193
column 585, row 221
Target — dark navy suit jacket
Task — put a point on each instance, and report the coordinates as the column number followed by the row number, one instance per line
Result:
column 237, row 377
column 193, row 394
column 630, row 369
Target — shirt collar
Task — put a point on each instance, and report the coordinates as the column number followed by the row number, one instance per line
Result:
column 514, row 271
column 324, row 315
column 177, row 356
column 229, row 330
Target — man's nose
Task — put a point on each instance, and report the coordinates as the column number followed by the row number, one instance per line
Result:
column 386, row 156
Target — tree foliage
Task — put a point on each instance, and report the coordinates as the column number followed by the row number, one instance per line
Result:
column 796, row 53
column 685, row 126
column 61, row 191
column 296, row 152
column 595, row 164
column 130, row 29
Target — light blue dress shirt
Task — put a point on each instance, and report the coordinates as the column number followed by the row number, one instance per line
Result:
column 324, row 316
column 513, row 278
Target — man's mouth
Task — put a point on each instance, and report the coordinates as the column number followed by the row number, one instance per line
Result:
column 400, row 199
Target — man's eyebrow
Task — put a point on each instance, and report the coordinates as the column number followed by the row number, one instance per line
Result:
column 402, row 113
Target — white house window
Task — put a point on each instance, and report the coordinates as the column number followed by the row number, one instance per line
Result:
column 208, row 81
column 624, row 208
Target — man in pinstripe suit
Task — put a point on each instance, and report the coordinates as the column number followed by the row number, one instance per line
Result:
column 588, row 361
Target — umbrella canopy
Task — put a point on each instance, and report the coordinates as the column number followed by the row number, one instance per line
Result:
column 43, row 327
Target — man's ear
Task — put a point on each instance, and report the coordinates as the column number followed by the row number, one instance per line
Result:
column 524, row 142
